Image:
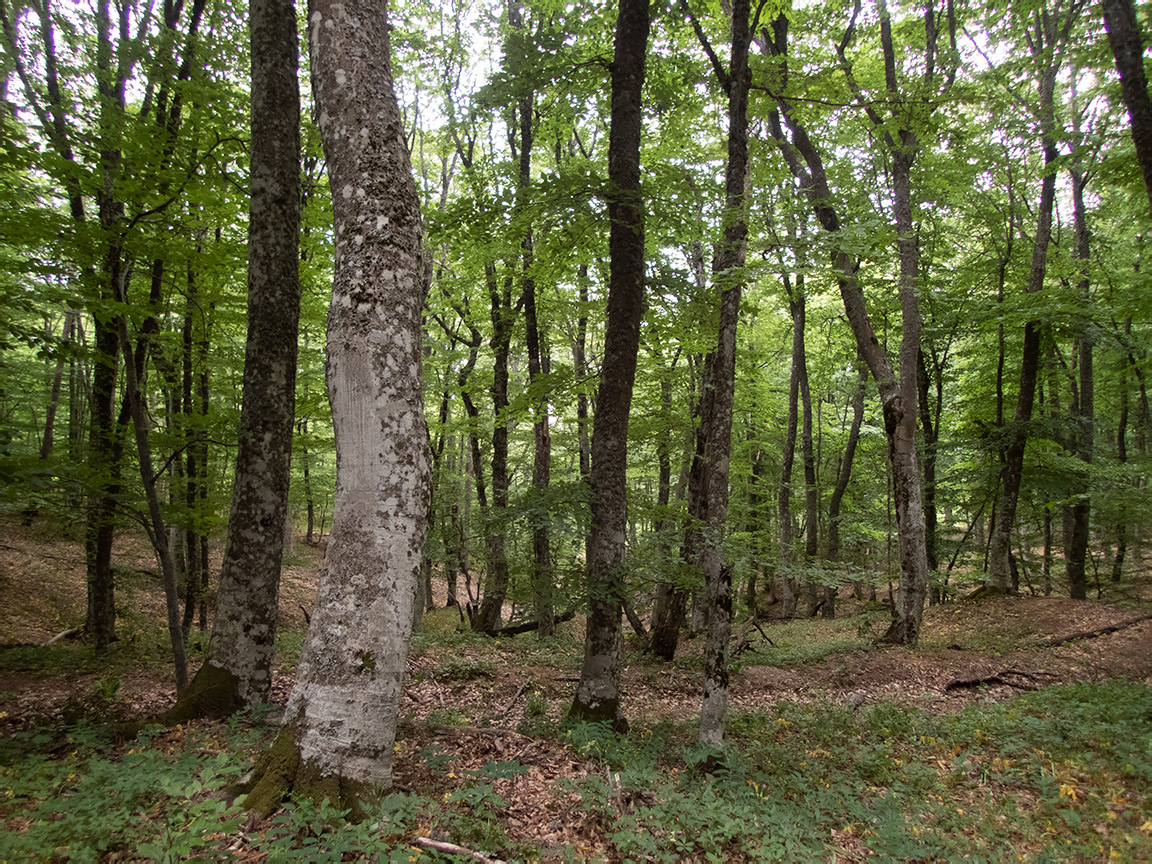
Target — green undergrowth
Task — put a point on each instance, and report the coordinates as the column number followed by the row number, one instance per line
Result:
column 1062, row 774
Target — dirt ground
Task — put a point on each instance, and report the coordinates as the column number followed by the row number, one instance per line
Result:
column 970, row 651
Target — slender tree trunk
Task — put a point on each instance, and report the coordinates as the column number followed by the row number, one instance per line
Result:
column 728, row 280
column 598, row 693
column 929, row 424
column 238, row 671
column 897, row 396
column 788, row 580
column 1122, row 458
column 159, row 531
column 811, row 491
column 542, row 578
column 999, row 571
column 57, row 384
column 1077, row 553
column 339, row 727
column 845, row 473
column 489, row 617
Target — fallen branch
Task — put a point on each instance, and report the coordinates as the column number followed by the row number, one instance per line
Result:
column 637, row 624
column 528, row 626
column 66, row 634
column 452, row 849
column 1092, row 634
column 307, row 617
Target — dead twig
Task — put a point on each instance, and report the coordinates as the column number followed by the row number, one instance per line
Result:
column 512, row 701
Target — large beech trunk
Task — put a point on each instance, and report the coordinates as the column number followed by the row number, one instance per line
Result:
column 598, row 694
column 340, row 720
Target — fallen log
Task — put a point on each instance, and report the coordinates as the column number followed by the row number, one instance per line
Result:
column 1092, row 634
column 1002, row 677
column 528, row 626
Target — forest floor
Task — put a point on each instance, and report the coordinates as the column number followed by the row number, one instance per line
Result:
column 472, row 703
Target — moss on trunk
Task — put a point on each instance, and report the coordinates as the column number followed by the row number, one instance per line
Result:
column 281, row 772
column 213, row 694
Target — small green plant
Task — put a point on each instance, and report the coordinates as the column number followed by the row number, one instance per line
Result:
column 448, row 717
column 461, row 669
column 536, row 704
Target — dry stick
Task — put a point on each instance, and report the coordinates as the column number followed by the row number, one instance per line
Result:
column 452, row 849
column 512, row 701
column 1092, row 634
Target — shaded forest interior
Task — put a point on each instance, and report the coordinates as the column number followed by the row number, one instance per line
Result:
column 738, row 406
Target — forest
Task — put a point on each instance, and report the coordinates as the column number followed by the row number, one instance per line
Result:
column 537, row 430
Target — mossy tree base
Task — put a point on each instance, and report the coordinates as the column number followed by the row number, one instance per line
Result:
column 281, row 772
column 986, row 591
column 213, row 694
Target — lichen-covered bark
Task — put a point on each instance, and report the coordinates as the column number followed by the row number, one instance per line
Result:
column 341, row 715
column 598, row 694
column 243, row 635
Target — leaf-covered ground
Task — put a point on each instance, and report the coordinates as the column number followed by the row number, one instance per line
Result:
column 951, row 751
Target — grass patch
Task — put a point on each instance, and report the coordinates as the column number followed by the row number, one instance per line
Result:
column 1061, row 774
column 810, row 640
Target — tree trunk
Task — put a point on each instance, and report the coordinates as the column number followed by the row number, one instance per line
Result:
column 488, row 618
column 542, row 578
column 999, row 572
column 845, row 472
column 897, row 397
column 340, row 720
column 788, row 581
column 598, row 694
column 1128, row 50
column 1077, row 553
column 728, row 280
column 929, row 424
column 68, row 335
column 238, row 670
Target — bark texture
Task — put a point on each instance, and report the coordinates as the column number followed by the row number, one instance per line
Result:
column 341, row 717
column 244, row 633
column 598, row 694
column 1128, row 49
